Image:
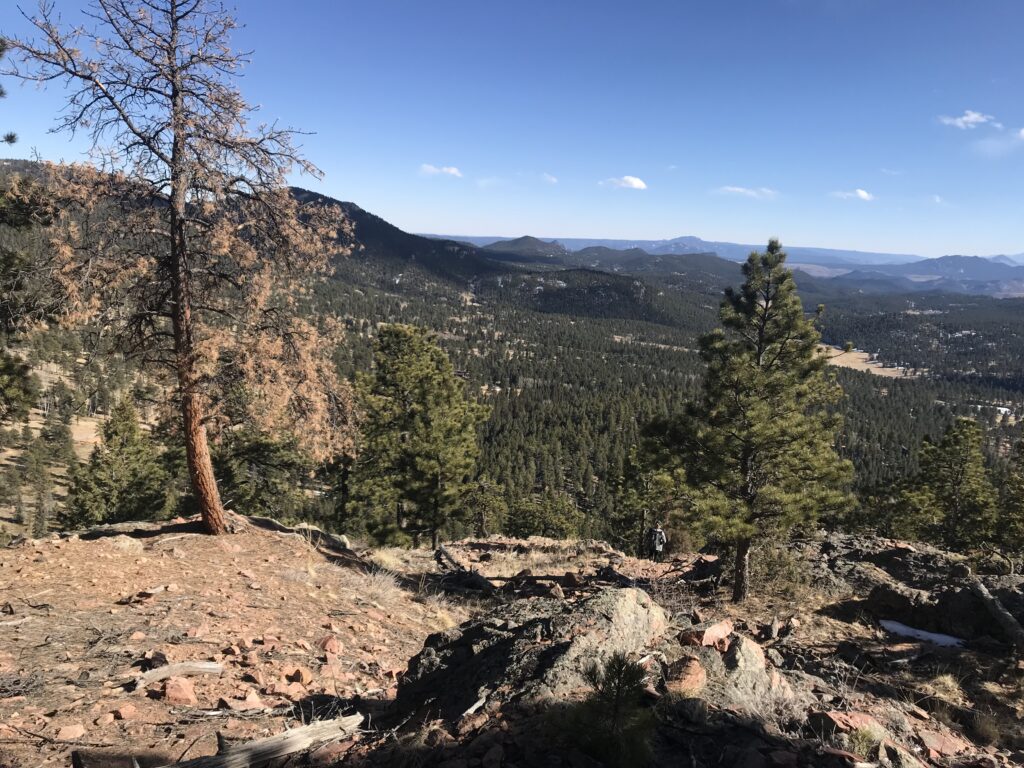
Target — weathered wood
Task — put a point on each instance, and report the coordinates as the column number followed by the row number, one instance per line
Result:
column 182, row 669
column 462, row 576
column 607, row 573
column 446, row 560
column 336, row 546
column 1002, row 616
column 281, row 745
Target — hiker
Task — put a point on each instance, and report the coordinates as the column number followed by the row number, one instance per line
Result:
column 656, row 541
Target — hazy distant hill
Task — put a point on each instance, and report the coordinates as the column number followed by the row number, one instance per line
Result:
column 703, row 266
column 831, row 271
column 973, row 268
column 725, row 250
column 528, row 248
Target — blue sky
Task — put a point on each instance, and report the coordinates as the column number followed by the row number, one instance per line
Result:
column 890, row 125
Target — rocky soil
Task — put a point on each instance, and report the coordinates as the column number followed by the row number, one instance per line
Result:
column 296, row 636
column 810, row 673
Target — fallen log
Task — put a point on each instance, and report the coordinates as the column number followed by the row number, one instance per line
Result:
column 607, row 573
column 458, row 575
column 182, row 669
column 337, row 547
column 282, row 745
column 1003, row 617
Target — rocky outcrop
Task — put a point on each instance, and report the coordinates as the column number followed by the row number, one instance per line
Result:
column 528, row 652
column 916, row 584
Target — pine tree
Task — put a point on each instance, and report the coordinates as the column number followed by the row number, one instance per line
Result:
column 420, row 445
column 199, row 255
column 953, row 500
column 486, row 503
column 19, row 388
column 37, row 476
column 647, row 494
column 260, row 475
column 124, row 478
column 10, row 137
column 759, row 446
column 57, row 435
column 1011, row 512
column 552, row 513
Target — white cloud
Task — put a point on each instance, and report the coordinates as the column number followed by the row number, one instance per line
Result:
column 857, row 194
column 937, row 199
column 970, row 120
column 549, row 179
column 757, row 193
column 624, row 182
column 1020, row 134
column 445, row 170
column 892, row 172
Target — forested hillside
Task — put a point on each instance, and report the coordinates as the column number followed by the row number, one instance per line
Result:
column 572, row 363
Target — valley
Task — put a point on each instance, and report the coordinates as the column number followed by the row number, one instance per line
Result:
column 731, row 477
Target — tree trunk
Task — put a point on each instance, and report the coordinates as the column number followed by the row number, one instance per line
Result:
column 434, row 539
column 197, row 449
column 741, row 577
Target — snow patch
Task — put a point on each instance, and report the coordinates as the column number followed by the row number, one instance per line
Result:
column 947, row 641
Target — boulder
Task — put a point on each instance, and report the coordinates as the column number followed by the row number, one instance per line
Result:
column 829, row 723
column 746, row 666
column 686, row 677
column 528, row 651
column 942, row 744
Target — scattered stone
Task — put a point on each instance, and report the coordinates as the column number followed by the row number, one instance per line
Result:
column 686, row 677
column 71, row 732
column 942, row 744
column 126, row 712
column 179, row 691
column 331, row 644
column 714, row 635
column 329, row 754
column 827, row 724
column 105, row 719
column 251, row 701
column 299, row 675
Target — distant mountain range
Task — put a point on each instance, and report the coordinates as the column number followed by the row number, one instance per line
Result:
column 828, row 270
column 679, row 264
column 690, row 244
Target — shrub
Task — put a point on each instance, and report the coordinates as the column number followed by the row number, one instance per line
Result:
column 612, row 725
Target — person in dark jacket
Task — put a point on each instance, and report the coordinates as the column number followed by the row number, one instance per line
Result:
column 656, row 541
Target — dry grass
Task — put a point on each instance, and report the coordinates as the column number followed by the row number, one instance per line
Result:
column 864, row 741
column 439, row 608
column 379, row 587
column 861, row 361
column 390, row 558
column 947, row 688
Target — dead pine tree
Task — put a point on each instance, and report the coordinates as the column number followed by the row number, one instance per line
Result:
column 184, row 242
